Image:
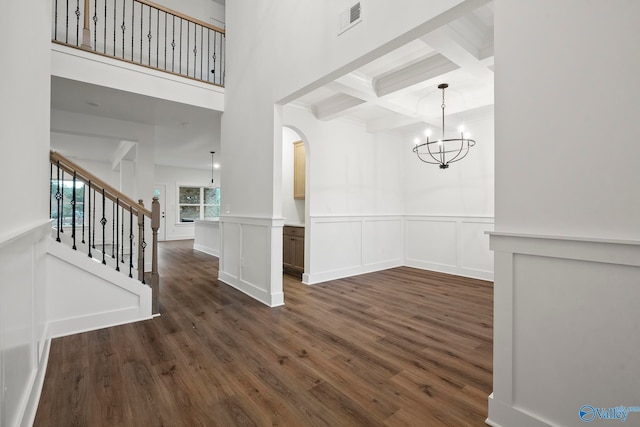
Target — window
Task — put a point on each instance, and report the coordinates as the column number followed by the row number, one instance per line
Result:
column 198, row 203
column 67, row 209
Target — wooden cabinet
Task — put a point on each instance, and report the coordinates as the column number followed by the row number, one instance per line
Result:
column 293, row 249
column 298, row 170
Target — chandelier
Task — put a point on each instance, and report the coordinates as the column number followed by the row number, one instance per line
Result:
column 443, row 151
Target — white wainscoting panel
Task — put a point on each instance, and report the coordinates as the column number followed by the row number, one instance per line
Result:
column 23, row 343
column 84, row 295
column 566, row 328
column 244, row 242
column 455, row 245
column 344, row 246
column 207, row 237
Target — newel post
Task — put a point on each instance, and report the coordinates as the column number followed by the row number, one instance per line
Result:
column 141, row 243
column 86, row 30
column 155, row 277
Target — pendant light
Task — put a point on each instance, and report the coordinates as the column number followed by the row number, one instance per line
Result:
column 443, row 151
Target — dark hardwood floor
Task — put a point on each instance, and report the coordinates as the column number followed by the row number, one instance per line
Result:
column 402, row 347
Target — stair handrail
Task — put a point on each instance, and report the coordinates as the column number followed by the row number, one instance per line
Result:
column 124, row 201
column 98, row 184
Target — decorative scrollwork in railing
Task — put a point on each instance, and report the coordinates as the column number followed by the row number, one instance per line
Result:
column 143, row 33
column 73, row 203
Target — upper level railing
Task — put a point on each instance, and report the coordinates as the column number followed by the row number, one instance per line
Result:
column 143, row 33
column 106, row 223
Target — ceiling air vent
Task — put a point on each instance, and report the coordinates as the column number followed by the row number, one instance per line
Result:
column 349, row 18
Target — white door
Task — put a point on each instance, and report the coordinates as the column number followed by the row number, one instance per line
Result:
column 159, row 191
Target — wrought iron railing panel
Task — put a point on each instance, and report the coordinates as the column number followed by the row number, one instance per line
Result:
column 107, row 215
column 143, row 33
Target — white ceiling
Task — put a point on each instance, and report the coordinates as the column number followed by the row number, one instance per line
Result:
column 398, row 91
column 394, row 93
column 184, row 135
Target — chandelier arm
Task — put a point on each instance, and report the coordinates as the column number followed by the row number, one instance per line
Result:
column 466, row 145
column 439, row 161
column 416, row 150
column 455, row 158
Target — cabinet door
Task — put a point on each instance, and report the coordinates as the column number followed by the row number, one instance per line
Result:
column 298, row 252
column 298, row 170
column 288, row 251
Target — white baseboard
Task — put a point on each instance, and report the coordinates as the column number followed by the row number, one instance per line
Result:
column 314, row 278
column 451, row 269
column 261, row 295
column 501, row 415
column 206, row 250
column 77, row 325
column 33, row 399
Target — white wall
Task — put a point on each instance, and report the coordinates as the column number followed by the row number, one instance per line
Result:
column 172, row 178
column 567, row 238
column 203, row 10
column 66, row 123
column 24, row 131
column 354, row 198
column 466, row 188
column 259, row 75
column 447, row 212
column 292, row 209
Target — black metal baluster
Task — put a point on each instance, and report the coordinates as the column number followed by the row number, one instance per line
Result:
column 144, row 245
column 123, row 27
column 149, row 36
column 84, row 199
column 93, row 237
column 113, row 231
column 104, row 47
column 130, row 241
column 122, row 238
column 103, row 222
column 117, row 210
column 173, row 44
column 180, row 50
column 73, row 212
column 58, row 197
column 133, row 8
column 187, row 48
column 222, row 45
column 61, row 214
column 208, row 51
column 95, row 24
column 50, row 190
column 89, row 222
column 215, row 45
column 77, row 22
column 165, row 40
column 157, row 38
column 201, row 49
column 66, row 30
column 141, row 27
column 114, row 25
column 55, row 21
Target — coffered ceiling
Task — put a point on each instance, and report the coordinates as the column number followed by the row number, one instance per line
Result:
column 398, row 91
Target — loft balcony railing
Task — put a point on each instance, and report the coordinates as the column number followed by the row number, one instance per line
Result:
column 142, row 33
column 90, row 215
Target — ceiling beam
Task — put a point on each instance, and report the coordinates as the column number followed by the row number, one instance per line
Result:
column 413, row 74
column 335, row 106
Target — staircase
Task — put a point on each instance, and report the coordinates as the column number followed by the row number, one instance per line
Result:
column 91, row 217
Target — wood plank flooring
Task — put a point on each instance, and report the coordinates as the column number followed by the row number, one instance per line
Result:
column 402, row 347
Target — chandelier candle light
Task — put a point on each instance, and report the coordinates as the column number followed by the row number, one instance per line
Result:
column 443, row 151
